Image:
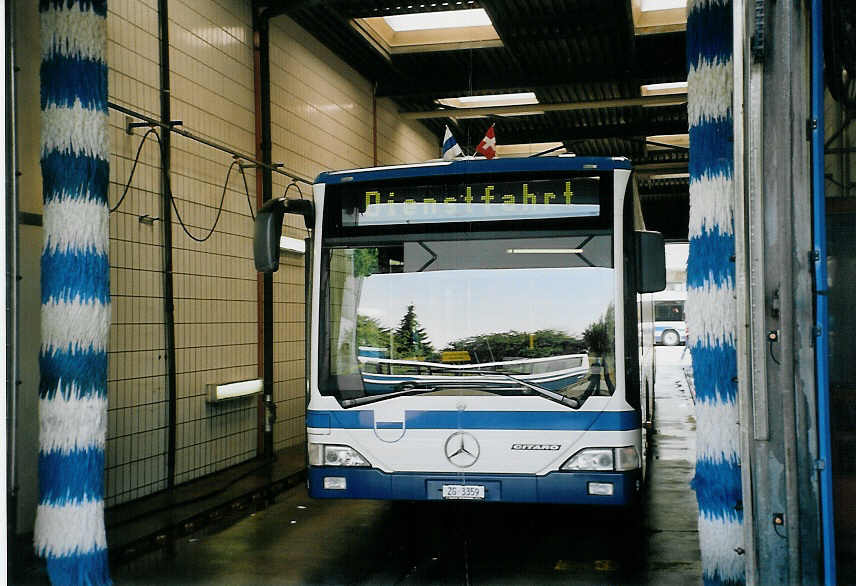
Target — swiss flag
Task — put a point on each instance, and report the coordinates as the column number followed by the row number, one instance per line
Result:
column 487, row 146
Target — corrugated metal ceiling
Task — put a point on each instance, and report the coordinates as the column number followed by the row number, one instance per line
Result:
column 563, row 50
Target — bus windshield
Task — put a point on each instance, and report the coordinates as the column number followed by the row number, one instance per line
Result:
column 498, row 316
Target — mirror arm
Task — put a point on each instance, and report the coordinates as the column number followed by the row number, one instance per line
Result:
column 303, row 207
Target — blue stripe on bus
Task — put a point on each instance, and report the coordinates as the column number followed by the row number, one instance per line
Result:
column 465, row 167
column 547, row 420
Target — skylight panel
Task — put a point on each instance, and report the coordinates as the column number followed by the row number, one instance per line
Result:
column 517, row 99
column 652, row 17
column 658, row 89
column 651, row 5
column 448, row 30
column 422, row 21
column 529, row 148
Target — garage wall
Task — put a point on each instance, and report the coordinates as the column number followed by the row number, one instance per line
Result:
column 211, row 59
column 322, row 113
column 137, row 395
column 26, row 420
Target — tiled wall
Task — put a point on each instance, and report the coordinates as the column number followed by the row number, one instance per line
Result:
column 211, row 59
column 137, row 390
column 322, row 119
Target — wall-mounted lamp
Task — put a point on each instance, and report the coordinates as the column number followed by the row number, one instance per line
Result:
column 294, row 245
column 233, row 390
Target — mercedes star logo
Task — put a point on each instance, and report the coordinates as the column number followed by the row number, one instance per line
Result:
column 462, row 449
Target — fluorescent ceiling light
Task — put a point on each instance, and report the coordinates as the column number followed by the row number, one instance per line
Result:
column 234, row 390
column 670, row 176
column 676, row 140
column 651, row 5
column 454, row 116
column 518, row 99
column 423, row 21
column 528, row 148
column 662, row 89
column 544, row 251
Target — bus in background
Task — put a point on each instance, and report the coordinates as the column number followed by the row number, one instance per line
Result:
column 670, row 327
column 474, row 330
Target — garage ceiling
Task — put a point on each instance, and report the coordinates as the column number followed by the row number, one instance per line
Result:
column 577, row 56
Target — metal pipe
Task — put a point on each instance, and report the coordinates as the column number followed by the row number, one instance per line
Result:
column 741, row 246
column 785, row 218
column 756, row 229
column 266, row 148
column 260, row 289
column 821, row 295
column 165, row 125
column 12, row 259
column 665, row 100
column 166, row 249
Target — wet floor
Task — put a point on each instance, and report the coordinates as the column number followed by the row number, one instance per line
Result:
column 298, row 540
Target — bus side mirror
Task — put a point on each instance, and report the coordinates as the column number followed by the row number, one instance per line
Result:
column 651, row 262
column 268, row 229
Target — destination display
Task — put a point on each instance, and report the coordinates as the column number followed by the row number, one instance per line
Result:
column 476, row 201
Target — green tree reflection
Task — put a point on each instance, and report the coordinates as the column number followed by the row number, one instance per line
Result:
column 506, row 345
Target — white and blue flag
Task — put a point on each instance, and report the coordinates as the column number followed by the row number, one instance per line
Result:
column 450, row 146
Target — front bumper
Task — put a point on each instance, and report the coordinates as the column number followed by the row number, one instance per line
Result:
column 555, row 487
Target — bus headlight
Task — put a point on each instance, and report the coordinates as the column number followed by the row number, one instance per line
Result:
column 332, row 455
column 603, row 459
column 590, row 459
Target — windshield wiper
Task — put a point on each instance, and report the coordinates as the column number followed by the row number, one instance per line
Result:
column 571, row 402
column 419, row 388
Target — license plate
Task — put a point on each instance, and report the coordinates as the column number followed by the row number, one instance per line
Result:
column 463, row 491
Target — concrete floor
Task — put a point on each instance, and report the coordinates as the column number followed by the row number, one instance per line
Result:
column 298, row 540
column 673, row 551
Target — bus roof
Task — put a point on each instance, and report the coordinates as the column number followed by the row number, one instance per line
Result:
column 466, row 166
column 669, row 295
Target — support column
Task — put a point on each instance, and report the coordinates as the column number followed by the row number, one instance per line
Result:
column 166, row 249
column 784, row 441
column 264, row 191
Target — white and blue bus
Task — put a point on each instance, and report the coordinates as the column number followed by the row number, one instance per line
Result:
column 670, row 326
column 474, row 330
